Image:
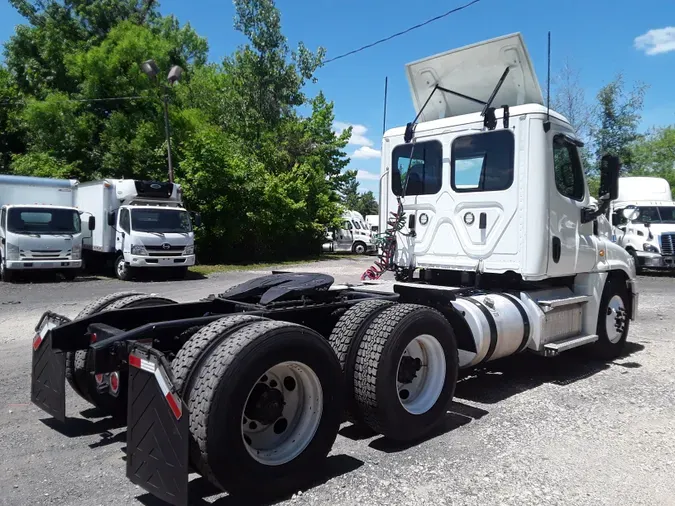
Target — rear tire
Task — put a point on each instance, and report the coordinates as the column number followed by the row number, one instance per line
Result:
column 223, row 415
column 345, row 340
column 406, row 371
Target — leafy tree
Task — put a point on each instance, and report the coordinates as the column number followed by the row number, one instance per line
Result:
column 654, row 155
column 11, row 135
column 364, row 203
column 619, row 112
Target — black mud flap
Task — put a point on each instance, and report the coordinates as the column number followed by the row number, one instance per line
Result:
column 157, row 428
column 48, row 373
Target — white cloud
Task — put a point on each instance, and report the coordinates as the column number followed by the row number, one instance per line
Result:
column 657, row 41
column 366, row 153
column 364, row 175
column 358, row 137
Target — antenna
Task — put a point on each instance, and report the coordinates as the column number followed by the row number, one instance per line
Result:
column 547, row 125
column 384, row 119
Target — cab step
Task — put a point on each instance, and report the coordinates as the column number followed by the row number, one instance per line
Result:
column 553, row 349
column 548, row 305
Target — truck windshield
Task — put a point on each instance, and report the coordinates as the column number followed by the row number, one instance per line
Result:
column 39, row 220
column 656, row 214
column 165, row 221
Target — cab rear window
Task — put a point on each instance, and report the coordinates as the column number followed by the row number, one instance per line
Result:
column 482, row 162
column 419, row 166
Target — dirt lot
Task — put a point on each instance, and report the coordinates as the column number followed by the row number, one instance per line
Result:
column 527, row 431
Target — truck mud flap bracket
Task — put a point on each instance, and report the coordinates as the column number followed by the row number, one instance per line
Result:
column 48, row 369
column 157, row 428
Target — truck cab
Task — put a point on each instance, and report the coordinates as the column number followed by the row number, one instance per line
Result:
column 147, row 225
column 39, row 227
column 354, row 235
column 643, row 219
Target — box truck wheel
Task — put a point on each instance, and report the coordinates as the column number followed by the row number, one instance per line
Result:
column 266, row 407
column 406, row 371
column 122, row 270
column 5, row 274
column 345, row 340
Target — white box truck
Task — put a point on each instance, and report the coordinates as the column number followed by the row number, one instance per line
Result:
column 143, row 226
column 643, row 217
column 40, row 229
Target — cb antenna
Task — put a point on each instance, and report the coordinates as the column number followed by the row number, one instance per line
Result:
column 547, row 125
column 384, row 119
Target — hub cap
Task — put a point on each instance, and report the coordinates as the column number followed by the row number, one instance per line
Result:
column 615, row 321
column 421, row 374
column 282, row 413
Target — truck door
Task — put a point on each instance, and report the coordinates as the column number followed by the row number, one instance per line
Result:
column 123, row 235
column 572, row 245
column 345, row 236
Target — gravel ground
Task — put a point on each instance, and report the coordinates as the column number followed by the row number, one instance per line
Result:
column 525, row 431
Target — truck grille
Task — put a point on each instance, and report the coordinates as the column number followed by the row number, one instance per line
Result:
column 159, row 251
column 668, row 244
column 38, row 254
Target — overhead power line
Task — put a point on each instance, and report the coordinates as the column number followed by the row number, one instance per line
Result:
column 428, row 21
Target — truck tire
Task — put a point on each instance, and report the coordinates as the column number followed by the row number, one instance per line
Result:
column 406, row 371
column 73, row 375
column 122, row 270
column 345, row 340
column 359, row 248
column 111, row 406
column 613, row 321
column 295, row 379
column 5, row 274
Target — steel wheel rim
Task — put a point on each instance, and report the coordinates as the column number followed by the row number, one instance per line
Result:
column 121, row 268
column 419, row 394
column 275, row 440
column 615, row 320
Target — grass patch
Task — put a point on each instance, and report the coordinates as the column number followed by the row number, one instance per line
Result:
column 205, row 270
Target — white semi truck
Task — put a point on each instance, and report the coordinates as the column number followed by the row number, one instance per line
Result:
column 496, row 254
column 143, row 226
column 643, row 218
column 40, row 229
column 354, row 235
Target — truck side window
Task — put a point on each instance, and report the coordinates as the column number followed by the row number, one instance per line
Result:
column 569, row 177
column 483, row 162
column 125, row 220
column 3, row 217
column 425, row 161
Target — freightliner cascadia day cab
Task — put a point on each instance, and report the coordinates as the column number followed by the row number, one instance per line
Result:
column 354, row 235
column 498, row 251
column 143, row 226
column 40, row 229
column 643, row 217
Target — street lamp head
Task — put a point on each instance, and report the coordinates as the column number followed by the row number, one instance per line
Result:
column 150, row 68
column 174, row 74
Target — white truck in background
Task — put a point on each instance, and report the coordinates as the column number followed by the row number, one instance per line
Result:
column 40, row 229
column 643, row 220
column 354, row 235
column 373, row 222
column 143, row 226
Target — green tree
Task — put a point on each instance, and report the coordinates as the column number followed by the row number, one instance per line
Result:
column 364, row 203
column 654, row 155
column 619, row 112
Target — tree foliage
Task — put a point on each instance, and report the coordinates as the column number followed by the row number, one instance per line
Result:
column 364, row 203
column 266, row 179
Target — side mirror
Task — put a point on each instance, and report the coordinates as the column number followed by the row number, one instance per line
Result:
column 647, row 224
column 111, row 218
column 631, row 213
column 92, row 223
column 197, row 218
column 610, row 167
column 616, row 220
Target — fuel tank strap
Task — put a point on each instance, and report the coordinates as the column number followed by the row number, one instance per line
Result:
column 526, row 319
column 491, row 323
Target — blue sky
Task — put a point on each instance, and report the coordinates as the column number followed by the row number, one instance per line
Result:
column 600, row 37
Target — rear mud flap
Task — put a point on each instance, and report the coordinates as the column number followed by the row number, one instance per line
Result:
column 48, row 372
column 157, row 429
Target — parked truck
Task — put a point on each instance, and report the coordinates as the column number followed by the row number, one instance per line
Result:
column 643, row 218
column 40, row 229
column 354, row 235
column 249, row 387
column 144, row 226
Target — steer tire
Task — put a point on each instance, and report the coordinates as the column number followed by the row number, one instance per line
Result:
column 220, row 394
column 605, row 348
column 72, row 373
column 345, row 340
column 377, row 368
column 83, row 367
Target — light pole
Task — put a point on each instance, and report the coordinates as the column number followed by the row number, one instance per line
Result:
column 151, row 69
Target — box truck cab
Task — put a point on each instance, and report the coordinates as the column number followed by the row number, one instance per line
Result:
column 145, row 226
column 643, row 217
column 354, row 235
column 40, row 229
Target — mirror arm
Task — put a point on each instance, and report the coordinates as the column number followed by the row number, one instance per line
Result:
column 588, row 214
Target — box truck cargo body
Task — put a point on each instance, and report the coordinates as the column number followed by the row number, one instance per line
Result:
column 40, row 229
column 143, row 225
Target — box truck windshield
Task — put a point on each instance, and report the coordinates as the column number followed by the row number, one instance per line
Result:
column 37, row 220
column 165, row 221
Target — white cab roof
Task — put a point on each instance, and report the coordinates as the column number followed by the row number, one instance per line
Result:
column 474, row 70
column 654, row 189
